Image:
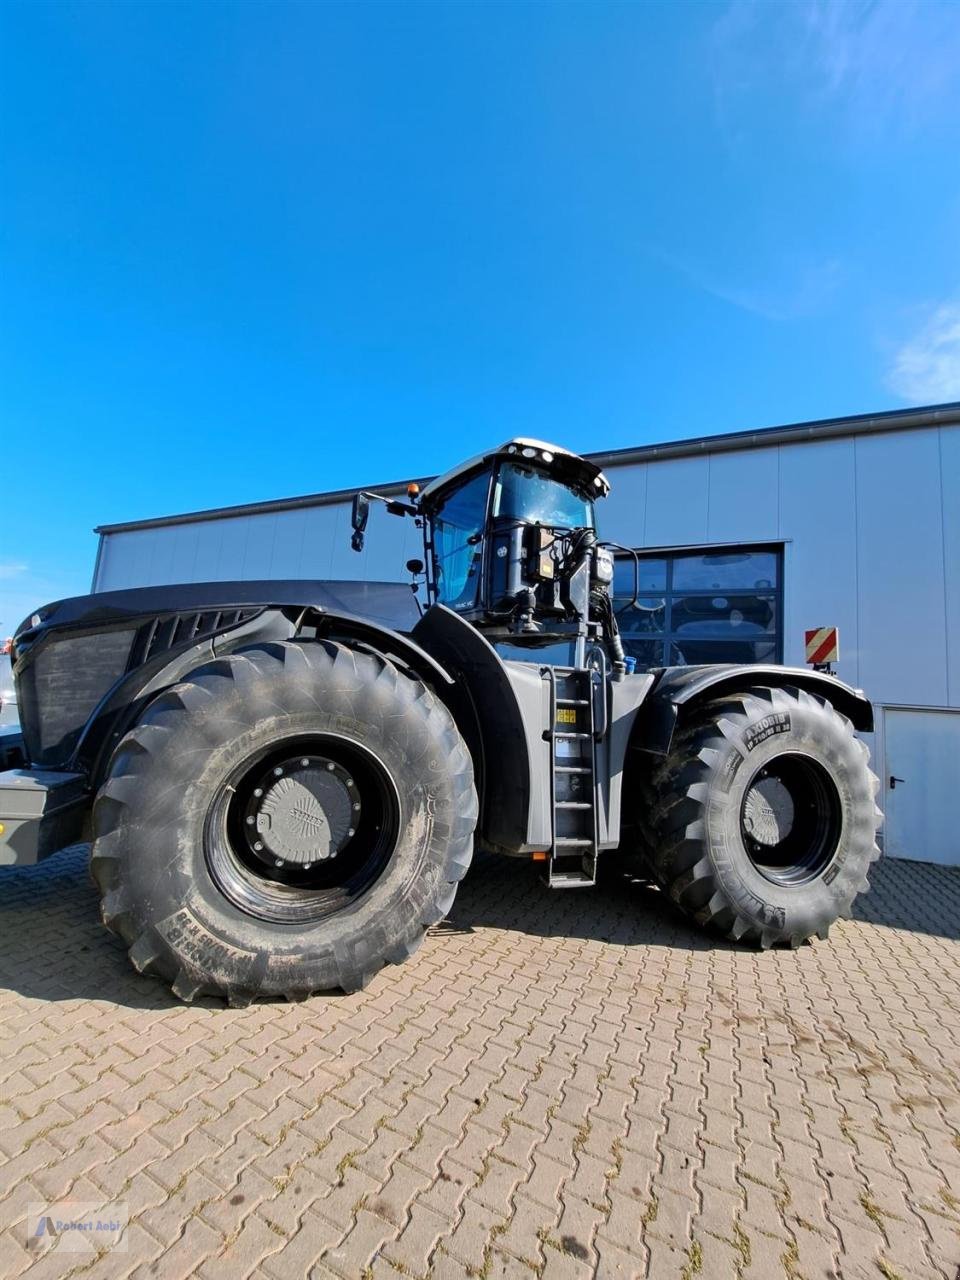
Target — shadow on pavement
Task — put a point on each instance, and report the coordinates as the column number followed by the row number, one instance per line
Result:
column 53, row 946
column 918, row 896
column 510, row 893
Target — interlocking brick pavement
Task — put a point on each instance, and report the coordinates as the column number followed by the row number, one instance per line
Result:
column 566, row 1085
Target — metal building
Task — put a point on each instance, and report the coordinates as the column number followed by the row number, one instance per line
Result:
column 746, row 541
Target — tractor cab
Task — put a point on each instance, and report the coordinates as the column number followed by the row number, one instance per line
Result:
column 511, row 545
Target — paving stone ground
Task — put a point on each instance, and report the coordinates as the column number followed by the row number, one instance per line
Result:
column 559, row 1084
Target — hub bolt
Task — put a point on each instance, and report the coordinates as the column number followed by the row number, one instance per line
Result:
column 277, row 772
column 278, row 862
column 304, row 762
column 330, row 764
column 258, row 845
column 350, row 831
column 250, row 821
column 258, row 792
column 356, row 806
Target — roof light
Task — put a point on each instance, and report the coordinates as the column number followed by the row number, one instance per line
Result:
column 528, row 452
column 412, row 489
column 547, row 455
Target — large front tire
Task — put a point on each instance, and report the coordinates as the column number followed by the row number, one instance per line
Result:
column 286, row 820
column 761, row 822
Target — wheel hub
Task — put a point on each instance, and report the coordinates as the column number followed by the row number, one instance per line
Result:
column 302, row 811
column 768, row 812
column 791, row 819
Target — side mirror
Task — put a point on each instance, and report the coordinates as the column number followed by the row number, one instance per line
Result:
column 358, row 518
column 414, row 567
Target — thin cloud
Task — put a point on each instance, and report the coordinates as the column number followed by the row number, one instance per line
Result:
column 870, row 68
column 789, row 290
column 926, row 369
column 12, row 570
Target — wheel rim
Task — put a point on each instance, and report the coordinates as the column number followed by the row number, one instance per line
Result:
column 300, row 830
column 791, row 819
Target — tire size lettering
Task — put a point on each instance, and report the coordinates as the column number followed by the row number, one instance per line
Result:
column 771, row 917
column 196, row 944
column 776, row 722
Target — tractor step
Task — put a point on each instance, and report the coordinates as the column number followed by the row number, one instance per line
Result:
column 570, row 880
column 572, row 862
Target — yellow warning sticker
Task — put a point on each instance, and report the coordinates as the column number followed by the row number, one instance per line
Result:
column 566, row 715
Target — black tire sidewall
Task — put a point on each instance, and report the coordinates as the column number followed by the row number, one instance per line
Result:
column 166, row 876
column 801, row 726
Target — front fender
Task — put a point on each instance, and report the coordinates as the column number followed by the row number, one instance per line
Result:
column 501, row 711
column 679, row 687
column 125, row 702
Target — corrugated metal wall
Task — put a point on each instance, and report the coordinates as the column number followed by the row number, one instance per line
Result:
column 307, row 542
column 871, row 534
column 870, row 526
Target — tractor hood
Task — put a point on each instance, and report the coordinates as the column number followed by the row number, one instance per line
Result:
column 390, row 604
column 73, row 656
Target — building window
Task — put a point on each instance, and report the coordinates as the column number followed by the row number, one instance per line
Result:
column 716, row 605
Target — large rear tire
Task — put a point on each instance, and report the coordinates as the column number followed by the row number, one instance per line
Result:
column 761, row 822
column 288, row 819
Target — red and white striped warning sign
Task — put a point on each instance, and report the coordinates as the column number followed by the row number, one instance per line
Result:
column 823, row 644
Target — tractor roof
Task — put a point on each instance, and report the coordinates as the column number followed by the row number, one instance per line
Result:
column 565, row 466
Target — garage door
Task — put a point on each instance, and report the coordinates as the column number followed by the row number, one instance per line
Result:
column 920, row 793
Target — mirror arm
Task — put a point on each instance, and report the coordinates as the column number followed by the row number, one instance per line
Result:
column 393, row 506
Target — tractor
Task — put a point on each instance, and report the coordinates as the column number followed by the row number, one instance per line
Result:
column 282, row 783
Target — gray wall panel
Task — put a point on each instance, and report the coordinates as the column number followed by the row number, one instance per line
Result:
column 321, row 530
column 208, row 543
column 744, row 496
column 233, row 546
column 258, row 552
column 677, row 500
column 950, row 498
column 819, row 523
column 901, row 571
column 622, row 514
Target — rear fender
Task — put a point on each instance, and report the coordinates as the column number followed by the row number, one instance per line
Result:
column 682, row 687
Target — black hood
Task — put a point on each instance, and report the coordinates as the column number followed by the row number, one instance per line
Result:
column 390, row 604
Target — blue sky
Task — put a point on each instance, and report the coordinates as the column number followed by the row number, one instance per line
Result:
column 249, row 250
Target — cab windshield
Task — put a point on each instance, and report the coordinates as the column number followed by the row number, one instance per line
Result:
column 526, row 494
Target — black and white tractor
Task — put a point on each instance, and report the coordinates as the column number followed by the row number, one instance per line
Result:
column 282, row 782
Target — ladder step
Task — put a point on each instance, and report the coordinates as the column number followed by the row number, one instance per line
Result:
column 573, row 804
column 559, row 734
column 567, row 841
column 573, row 702
column 571, row 880
column 573, row 768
